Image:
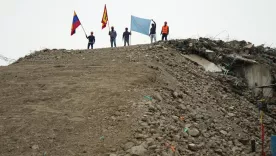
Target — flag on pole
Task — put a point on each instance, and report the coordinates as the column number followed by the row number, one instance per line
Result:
column 140, row 25
column 76, row 23
column 105, row 18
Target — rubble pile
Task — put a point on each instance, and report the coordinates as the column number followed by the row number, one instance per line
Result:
column 232, row 56
column 205, row 114
column 224, row 53
column 189, row 111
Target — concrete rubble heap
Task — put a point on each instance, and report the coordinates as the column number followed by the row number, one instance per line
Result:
column 190, row 111
column 227, row 54
column 207, row 113
column 251, row 66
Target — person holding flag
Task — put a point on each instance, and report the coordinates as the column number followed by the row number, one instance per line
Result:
column 76, row 23
column 153, row 32
column 112, row 33
column 91, row 40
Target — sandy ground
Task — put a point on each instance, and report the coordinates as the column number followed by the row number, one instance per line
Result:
column 70, row 104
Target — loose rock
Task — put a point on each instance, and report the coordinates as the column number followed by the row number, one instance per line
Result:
column 128, row 145
column 223, row 132
column 175, row 94
column 138, row 151
column 158, row 97
column 192, row 147
column 231, row 114
column 175, row 118
column 194, row 132
column 35, row 147
column 182, row 107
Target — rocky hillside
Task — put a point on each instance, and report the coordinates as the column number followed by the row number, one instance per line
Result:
column 144, row 100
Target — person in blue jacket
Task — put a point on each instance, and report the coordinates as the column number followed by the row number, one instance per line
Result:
column 126, row 35
column 91, row 40
column 153, row 32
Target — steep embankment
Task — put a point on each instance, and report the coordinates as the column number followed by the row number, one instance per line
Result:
column 141, row 100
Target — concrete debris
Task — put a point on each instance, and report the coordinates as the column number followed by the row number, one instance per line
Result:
column 223, row 132
column 194, row 132
column 138, row 151
column 209, row 51
column 203, row 46
column 128, row 145
column 192, row 112
column 35, row 147
column 231, row 114
column 208, row 66
column 158, row 97
column 192, row 147
column 240, row 58
column 249, row 46
column 175, row 94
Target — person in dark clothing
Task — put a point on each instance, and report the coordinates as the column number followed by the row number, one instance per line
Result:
column 126, row 35
column 153, row 32
column 165, row 31
column 113, row 35
column 91, row 40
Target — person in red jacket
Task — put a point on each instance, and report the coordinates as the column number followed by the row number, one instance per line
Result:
column 165, row 31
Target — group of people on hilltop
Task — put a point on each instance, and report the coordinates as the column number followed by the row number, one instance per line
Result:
column 126, row 35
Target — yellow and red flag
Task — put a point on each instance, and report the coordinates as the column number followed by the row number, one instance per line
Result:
column 105, row 18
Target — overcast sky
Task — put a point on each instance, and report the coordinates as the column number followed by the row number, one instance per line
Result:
column 28, row 25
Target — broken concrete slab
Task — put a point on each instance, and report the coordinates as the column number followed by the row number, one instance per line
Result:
column 249, row 46
column 208, row 66
column 209, row 51
column 240, row 58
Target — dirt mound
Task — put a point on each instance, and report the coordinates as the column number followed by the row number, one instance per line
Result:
column 144, row 100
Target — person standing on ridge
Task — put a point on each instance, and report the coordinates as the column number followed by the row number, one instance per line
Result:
column 126, row 35
column 113, row 35
column 153, row 32
column 165, row 31
column 91, row 40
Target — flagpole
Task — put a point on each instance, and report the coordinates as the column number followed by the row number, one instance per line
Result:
column 83, row 30
column 108, row 25
column 130, row 38
column 130, row 32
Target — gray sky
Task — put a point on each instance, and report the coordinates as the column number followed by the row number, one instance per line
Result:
column 28, row 25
